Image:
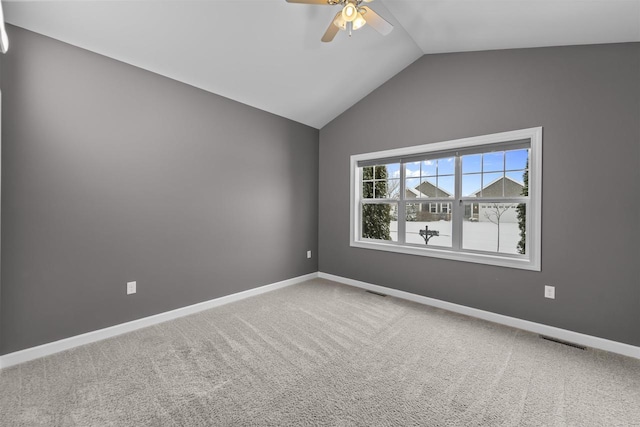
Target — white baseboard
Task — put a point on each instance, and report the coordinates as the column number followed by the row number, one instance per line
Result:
column 78, row 340
column 538, row 328
column 551, row 331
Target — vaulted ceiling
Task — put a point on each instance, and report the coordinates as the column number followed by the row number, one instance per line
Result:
column 268, row 53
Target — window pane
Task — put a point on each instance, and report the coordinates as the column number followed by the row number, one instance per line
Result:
column 429, row 167
column 493, row 227
column 514, row 185
column 411, row 188
column 428, row 188
column 516, row 159
column 393, row 170
column 367, row 190
column 412, row 170
column 380, row 221
column 446, row 166
column 471, row 185
column 429, row 224
column 393, row 188
column 493, row 162
column 367, row 172
column 517, row 176
column 380, row 188
column 492, row 184
column 472, row 163
column 446, row 186
column 381, row 172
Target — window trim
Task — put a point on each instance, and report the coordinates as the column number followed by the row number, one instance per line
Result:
column 534, row 234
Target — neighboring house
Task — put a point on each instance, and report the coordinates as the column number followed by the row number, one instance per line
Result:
column 487, row 211
column 412, row 193
column 512, row 188
column 424, row 210
column 428, row 189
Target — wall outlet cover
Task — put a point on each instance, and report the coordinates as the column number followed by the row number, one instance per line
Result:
column 550, row 292
column 131, row 288
column 308, row 254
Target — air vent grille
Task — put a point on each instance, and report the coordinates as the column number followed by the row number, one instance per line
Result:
column 377, row 293
column 570, row 344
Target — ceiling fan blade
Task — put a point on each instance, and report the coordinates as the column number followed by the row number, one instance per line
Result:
column 376, row 21
column 332, row 30
column 310, row 2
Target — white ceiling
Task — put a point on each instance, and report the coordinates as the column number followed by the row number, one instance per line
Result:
column 268, row 54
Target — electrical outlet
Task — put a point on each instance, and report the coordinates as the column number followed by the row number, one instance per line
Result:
column 550, row 292
column 308, row 254
column 131, row 288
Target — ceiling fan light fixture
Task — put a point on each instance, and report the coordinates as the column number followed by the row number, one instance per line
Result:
column 351, row 17
column 358, row 22
column 340, row 22
column 350, row 12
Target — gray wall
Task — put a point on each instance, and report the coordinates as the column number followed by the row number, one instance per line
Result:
column 111, row 174
column 587, row 99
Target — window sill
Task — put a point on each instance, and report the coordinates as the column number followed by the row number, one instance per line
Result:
column 487, row 259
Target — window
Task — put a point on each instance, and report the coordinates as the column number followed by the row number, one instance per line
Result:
column 475, row 199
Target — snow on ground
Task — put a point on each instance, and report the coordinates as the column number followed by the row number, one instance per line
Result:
column 482, row 236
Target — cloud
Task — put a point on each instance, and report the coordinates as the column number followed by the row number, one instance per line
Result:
column 412, row 174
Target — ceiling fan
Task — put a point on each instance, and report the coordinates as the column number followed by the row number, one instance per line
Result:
column 352, row 17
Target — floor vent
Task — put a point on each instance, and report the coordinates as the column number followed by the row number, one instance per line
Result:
column 570, row 344
column 377, row 293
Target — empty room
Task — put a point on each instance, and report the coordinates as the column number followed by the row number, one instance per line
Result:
column 320, row 213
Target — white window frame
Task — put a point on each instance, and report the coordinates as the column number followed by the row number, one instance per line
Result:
column 530, row 261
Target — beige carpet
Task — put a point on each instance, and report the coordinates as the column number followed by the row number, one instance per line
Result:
column 320, row 353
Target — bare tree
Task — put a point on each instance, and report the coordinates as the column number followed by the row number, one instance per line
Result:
column 393, row 187
column 494, row 214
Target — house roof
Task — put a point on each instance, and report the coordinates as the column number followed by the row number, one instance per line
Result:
column 434, row 187
column 416, row 193
column 475, row 193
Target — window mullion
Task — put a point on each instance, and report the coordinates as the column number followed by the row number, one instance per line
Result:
column 402, row 208
column 457, row 207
